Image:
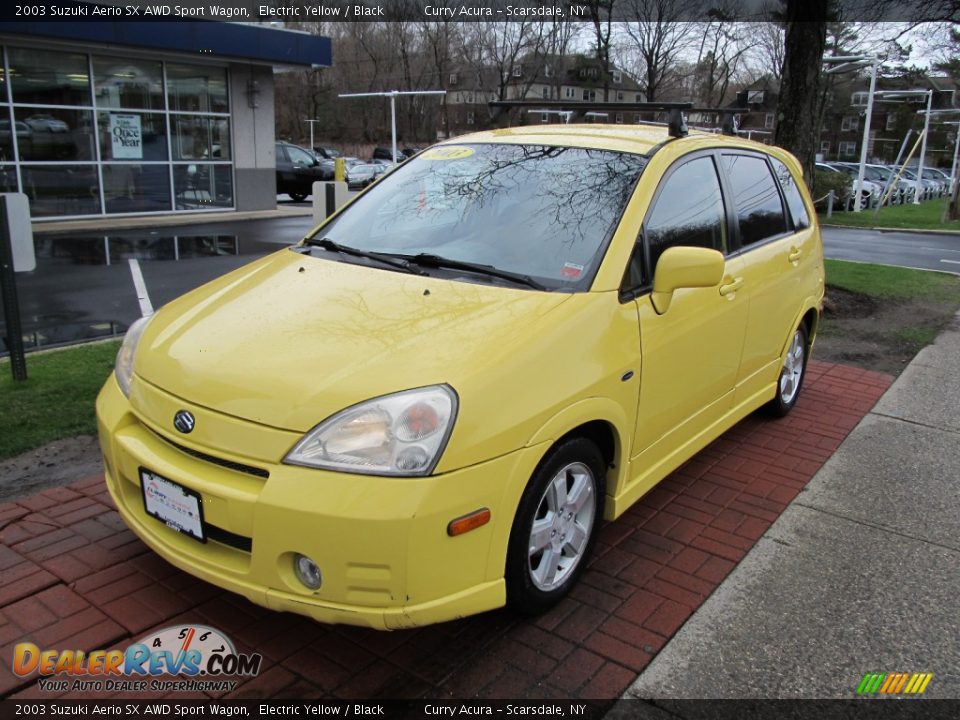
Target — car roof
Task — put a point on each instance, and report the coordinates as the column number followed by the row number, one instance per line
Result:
column 641, row 139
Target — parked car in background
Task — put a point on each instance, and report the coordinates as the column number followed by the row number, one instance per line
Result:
column 372, row 426
column 326, row 152
column 385, row 153
column 940, row 183
column 926, row 188
column 297, row 170
column 362, row 174
column 883, row 176
column 947, row 179
column 870, row 193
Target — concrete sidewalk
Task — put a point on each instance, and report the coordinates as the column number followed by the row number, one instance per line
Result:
column 861, row 573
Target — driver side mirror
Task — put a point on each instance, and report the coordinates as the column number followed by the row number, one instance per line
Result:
column 684, row 267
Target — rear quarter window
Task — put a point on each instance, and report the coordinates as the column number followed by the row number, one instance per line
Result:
column 756, row 199
column 798, row 211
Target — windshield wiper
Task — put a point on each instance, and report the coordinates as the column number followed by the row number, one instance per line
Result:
column 333, row 246
column 430, row 260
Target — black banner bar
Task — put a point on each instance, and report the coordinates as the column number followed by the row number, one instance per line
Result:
column 451, row 10
column 625, row 709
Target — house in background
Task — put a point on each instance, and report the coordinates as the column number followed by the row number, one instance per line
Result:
column 575, row 78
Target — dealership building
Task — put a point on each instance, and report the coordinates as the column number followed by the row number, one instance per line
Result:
column 130, row 118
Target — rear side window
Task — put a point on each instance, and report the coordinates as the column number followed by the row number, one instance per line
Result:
column 688, row 211
column 792, row 193
column 756, row 198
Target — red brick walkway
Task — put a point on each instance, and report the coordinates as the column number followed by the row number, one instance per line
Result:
column 72, row 576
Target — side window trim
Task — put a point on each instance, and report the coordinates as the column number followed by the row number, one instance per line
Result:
column 739, row 247
column 627, row 293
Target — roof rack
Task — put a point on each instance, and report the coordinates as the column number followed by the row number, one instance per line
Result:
column 677, row 125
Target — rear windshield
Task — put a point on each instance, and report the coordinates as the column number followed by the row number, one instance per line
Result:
column 545, row 212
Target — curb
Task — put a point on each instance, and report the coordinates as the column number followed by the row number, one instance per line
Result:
column 914, row 231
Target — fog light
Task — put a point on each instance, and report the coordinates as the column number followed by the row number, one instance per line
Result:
column 307, row 571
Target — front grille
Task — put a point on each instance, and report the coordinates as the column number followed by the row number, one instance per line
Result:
column 228, row 464
column 225, row 537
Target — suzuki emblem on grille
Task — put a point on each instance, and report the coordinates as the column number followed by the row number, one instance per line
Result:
column 184, row 421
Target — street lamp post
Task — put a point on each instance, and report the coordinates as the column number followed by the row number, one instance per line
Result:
column 903, row 94
column 392, row 94
column 855, row 62
column 312, row 122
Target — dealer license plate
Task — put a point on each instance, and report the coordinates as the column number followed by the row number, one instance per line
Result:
column 172, row 504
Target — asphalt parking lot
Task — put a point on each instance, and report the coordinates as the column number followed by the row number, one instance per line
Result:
column 72, row 576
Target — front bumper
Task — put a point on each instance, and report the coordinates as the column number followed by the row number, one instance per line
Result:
column 381, row 543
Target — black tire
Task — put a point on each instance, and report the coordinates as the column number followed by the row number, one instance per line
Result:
column 532, row 587
column 298, row 196
column 792, row 373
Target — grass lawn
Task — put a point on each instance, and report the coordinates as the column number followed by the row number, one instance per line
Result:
column 57, row 399
column 925, row 216
column 879, row 317
column 884, row 281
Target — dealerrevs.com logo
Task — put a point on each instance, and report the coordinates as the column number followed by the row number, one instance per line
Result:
column 200, row 654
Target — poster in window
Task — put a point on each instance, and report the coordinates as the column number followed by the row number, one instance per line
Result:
column 126, row 137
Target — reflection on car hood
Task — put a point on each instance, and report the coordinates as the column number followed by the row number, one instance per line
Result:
column 291, row 339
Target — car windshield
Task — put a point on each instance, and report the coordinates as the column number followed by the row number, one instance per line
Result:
column 542, row 212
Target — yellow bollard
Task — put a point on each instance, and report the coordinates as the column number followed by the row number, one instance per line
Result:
column 339, row 170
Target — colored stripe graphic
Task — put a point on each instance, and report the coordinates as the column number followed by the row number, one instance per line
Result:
column 894, row 683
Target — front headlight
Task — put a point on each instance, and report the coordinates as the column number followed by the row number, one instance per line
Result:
column 399, row 434
column 124, row 364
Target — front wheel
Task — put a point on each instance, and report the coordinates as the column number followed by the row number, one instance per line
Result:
column 297, row 196
column 555, row 526
column 791, row 374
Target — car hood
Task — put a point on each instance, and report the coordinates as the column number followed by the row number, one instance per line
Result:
column 291, row 339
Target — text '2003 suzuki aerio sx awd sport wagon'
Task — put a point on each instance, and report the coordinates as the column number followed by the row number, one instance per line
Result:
column 426, row 408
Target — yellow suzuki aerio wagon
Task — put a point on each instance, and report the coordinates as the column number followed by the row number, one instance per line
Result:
column 426, row 408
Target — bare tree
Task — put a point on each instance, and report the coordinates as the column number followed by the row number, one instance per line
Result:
column 601, row 16
column 500, row 48
column 722, row 50
column 659, row 38
column 797, row 128
column 559, row 37
column 768, row 38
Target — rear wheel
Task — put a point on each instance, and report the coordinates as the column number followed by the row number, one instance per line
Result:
column 555, row 526
column 297, row 196
column 791, row 374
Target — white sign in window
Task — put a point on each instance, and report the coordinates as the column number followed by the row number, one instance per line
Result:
column 126, row 137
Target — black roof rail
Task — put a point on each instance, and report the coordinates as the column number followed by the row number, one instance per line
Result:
column 677, row 125
column 729, row 123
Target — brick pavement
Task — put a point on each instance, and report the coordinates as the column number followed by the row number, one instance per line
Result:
column 72, row 576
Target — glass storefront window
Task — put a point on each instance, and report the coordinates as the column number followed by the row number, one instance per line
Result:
column 61, row 189
column 195, row 88
column 128, row 188
column 132, row 136
column 6, row 136
column 199, row 185
column 200, row 138
column 55, row 134
column 8, row 177
column 85, row 134
column 124, row 83
column 43, row 77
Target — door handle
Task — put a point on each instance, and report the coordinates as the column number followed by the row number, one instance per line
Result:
column 732, row 286
column 795, row 254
